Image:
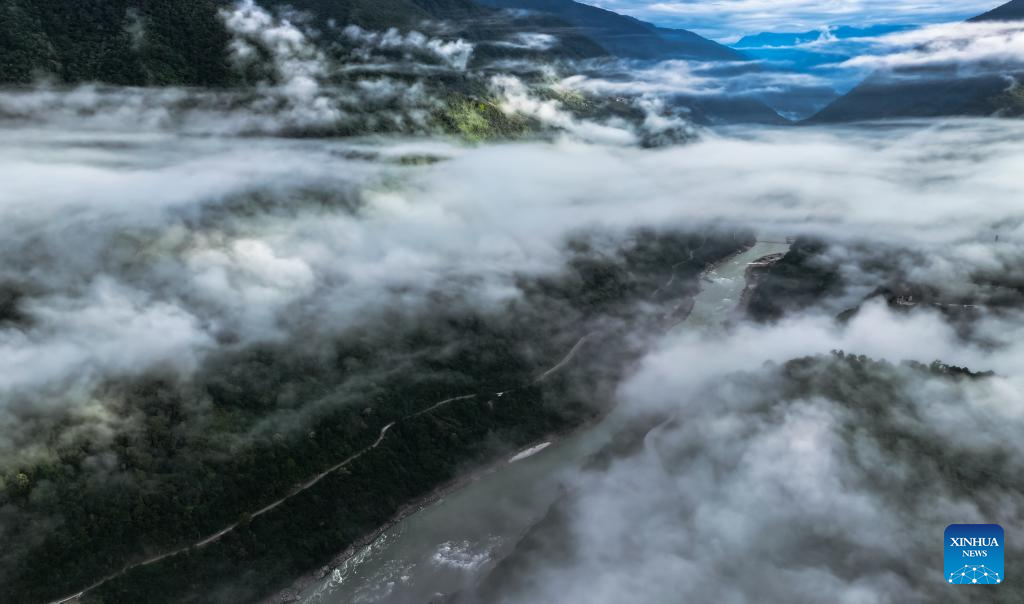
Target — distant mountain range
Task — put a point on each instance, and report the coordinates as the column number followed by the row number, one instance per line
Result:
column 787, row 39
column 801, row 50
column 186, row 43
column 624, row 37
column 906, row 93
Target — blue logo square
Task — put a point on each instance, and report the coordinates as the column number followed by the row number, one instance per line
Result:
column 974, row 554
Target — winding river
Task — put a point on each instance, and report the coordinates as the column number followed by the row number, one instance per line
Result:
column 445, row 546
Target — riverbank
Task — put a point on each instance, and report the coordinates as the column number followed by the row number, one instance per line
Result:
column 300, row 585
column 364, row 561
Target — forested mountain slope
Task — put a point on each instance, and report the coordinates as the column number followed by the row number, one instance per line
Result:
column 101, row 40
column 1011, row 11
column 625, row 36
column 185, row 42
column 909, row 93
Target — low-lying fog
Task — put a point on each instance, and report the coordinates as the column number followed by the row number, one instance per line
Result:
column 125, row 250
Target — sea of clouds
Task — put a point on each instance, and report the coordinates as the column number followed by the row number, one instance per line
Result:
column 128, row 249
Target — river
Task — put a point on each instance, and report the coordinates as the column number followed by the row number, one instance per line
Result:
column 446, row 546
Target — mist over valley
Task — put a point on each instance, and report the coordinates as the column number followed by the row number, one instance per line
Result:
column 517, row 301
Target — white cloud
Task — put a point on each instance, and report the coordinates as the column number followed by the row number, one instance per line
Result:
column 966, row 47
column 108, row 330
column 455, row 53
column 690, row 78
column 749, row 492
column 726, row 18
column 136, row 250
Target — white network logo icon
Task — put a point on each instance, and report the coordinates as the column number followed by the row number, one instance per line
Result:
column 974, row 574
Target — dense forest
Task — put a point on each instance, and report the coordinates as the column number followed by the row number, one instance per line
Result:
column 196, row 455
column 127, row 42
column 815, row 271
column 803, row 277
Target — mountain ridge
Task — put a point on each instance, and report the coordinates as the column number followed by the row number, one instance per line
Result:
column 1011, row 11
column 625, row 36
column 186, row 42
column 881, row 97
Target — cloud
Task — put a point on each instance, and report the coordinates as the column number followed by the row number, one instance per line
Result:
column 300, row 68
column 106, row 330
column 753, row 495
column 134, row 251
column 455, row 53
column 724, row 19
column 234, row 237
column 516, row 98
column 369, row 82
column 529, row 41
column 688, row 78
column 366, row 82
column 754, row 489
column 887, row 180
column 967, row 48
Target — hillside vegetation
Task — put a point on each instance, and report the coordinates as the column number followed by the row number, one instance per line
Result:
column 128, row 42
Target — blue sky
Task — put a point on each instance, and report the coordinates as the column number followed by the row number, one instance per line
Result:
column 727, row 20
